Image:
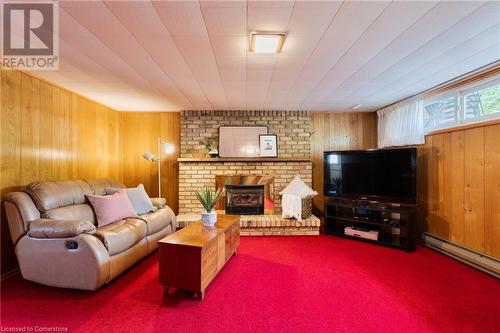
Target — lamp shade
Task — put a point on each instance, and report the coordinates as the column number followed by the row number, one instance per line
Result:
column 149, row 156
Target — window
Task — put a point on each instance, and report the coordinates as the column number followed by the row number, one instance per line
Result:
column 482, row 102
column 478, row 102
column 440, row 112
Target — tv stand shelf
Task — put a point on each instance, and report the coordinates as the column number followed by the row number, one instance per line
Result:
column 395, row 222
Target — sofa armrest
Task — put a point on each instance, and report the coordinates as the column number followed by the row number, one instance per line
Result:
column 84, row 265
column 46, row 228
column 159, row 202
column 20, row 210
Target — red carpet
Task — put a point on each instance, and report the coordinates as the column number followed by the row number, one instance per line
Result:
column 280, row 284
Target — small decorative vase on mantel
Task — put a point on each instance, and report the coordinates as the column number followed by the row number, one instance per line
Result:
column 208, row 200
column 214, row 152
column 211, row 149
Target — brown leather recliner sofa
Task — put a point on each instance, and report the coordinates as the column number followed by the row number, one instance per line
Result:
column 57, row 246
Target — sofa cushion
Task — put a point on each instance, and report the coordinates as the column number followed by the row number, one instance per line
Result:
column 57, row 194
column 121, row 235
column 99, row 186
column 81, row 212
column 138, row 198
column 45, row 228
column 111, row 208
column 158, row 220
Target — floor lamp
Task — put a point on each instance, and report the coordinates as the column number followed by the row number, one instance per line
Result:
column 168, row 148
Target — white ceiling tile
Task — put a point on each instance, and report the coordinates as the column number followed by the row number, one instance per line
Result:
column 173, row 55
column 270, row 4
column 259, row 76
column 290, row 63
column 260, row 61
column 143, row 21
column 223, row 3
column 81, row 4
column 231, row 63
column 229, row 46
column 321, row 4
column 225, row 21
column 302, row 24
column 441, row 23
column 471, row 51
column 318, row 63
column 395, row 19
column 229, row 76
column 262, row 19
column 99, row 21
column 127, row 4
column 311, row 76
column 285, row 76
column 184, row 19
column 196, row 50
column 298, row 46
column 344, row 31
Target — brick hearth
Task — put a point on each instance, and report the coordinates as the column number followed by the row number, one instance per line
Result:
column 265, row 225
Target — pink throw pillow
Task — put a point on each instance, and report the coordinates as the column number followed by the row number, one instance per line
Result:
column 111, row 208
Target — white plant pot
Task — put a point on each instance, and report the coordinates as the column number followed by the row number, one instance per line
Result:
column 209, row 219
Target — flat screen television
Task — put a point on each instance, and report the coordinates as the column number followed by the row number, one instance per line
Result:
column 388, row 175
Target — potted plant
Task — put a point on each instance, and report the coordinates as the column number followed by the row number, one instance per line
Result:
column 211, row 149
column 208, row 199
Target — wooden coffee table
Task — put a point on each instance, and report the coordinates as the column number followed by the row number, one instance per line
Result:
column 191, row 257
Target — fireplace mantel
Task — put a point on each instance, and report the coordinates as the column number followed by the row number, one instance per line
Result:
column 243, row 159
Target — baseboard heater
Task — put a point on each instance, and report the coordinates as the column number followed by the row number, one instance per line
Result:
column 475, row 259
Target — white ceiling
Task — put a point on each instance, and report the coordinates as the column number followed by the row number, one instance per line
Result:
column 164, row 55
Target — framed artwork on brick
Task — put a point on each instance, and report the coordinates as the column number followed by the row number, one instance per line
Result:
column 268, row 145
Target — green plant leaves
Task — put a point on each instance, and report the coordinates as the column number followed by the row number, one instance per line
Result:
column 207, row 198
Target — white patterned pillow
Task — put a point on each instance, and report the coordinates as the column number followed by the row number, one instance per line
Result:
column 299, row 188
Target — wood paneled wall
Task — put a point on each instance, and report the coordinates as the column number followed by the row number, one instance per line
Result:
column 138, row 133
column 48, row 133
column 338, row 131
column 459, row 187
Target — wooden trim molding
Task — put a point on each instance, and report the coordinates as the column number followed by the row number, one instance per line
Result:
column 243, row 159
column 465, row 126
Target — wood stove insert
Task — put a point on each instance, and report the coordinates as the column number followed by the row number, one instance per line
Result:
column 244, row 199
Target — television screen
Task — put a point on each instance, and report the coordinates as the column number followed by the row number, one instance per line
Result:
column 382, row 174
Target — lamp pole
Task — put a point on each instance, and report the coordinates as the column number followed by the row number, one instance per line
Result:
column 159, row 167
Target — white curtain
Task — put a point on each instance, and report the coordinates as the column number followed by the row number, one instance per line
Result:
column 401, row 124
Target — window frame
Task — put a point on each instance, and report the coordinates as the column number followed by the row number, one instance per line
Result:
column 459, row 94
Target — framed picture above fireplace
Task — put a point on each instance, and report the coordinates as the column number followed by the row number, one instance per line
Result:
column 240, row 141
column 268, row 145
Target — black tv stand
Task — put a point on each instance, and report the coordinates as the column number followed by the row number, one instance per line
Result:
column 395, row 222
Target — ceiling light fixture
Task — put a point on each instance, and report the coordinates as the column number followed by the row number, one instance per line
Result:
column 356, row 106
column 266, row 42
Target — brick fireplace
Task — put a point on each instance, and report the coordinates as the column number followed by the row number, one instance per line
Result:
column 194, row 174
column 197, row 170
